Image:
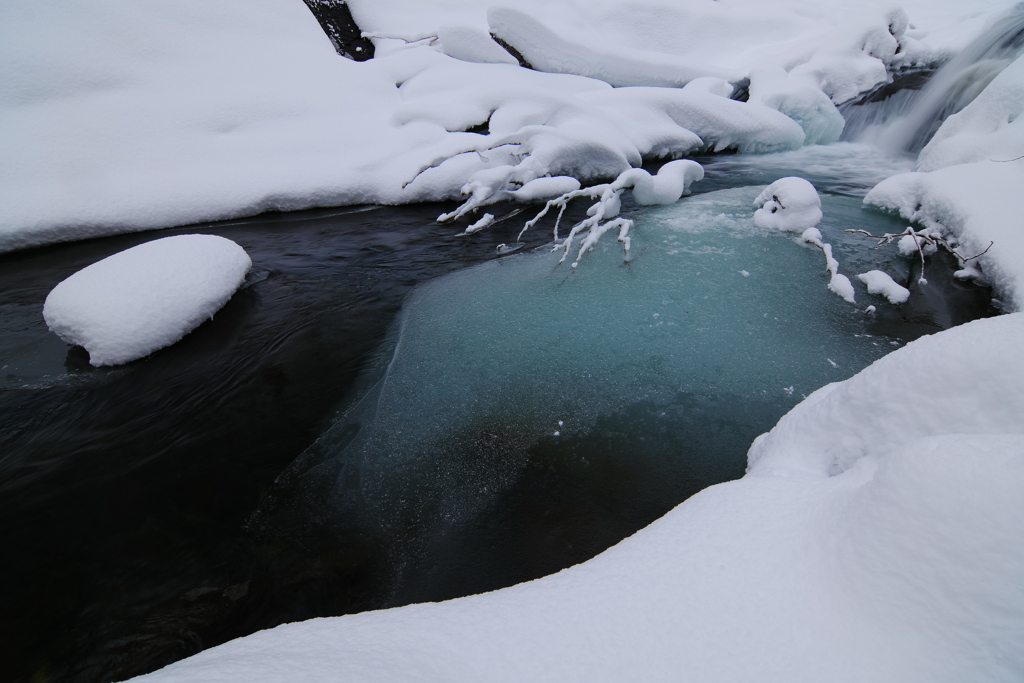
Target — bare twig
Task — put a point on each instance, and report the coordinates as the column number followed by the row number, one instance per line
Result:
column 919, row 239
column 407, row 41
column 1006, row 161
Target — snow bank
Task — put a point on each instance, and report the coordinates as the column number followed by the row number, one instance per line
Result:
column 968, row 183
column 874, row 537
column 116, row 118
column 976, row 203
column 145, row 298
column 880, row 282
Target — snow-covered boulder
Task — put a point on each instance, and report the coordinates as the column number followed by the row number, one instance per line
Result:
column 790, row 204
column 145, row 298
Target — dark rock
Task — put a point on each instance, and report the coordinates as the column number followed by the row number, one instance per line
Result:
column 512, row 51
column 336, row 20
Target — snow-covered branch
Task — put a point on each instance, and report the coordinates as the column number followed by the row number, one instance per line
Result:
column 671, row 182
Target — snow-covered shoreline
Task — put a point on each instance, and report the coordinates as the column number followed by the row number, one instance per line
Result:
column 146, row 118
column 875, row 534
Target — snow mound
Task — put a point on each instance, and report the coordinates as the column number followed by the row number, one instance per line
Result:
column 672, row 181
column 874, row 537
column 145, row 298
column 982, row 395
column 788, row 204
column 798, row 97
column 880, row 282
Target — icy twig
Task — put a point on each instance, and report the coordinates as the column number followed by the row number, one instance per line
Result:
column 838, row 283
column 408, row 41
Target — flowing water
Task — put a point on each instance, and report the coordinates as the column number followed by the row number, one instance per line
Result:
column 903, row 115
column 372, row 420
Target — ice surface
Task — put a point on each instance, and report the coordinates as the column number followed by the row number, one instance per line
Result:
column 875, row 537
column 145, row 298
column 676, row 342
column 679, row 310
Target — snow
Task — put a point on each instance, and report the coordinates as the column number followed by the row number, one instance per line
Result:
column 874, row 537
column 837, row 282
column 470, row 44
column 542, row 189
column 967, row 183
column 142, row 299
column 788, row 204
column 880, row 282
column 912, row 246
column 545, row 50
column 170, row 115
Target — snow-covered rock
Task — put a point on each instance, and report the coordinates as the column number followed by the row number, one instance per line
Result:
column 788, row 204
column 880, row 282
column 874, row 537
column 545, row 50
column 145, row 298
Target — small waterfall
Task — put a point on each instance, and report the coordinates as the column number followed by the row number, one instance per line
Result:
column 903, row 115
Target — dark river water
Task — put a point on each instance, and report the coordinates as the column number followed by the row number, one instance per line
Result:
column 127, row 495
